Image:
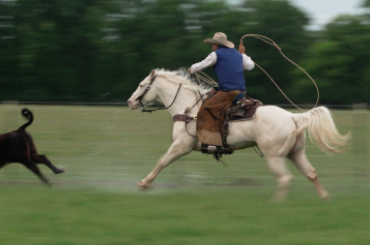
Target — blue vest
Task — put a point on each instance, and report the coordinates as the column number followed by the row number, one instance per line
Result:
column 229, row 69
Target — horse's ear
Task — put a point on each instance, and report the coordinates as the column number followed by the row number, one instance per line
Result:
column 152, row 73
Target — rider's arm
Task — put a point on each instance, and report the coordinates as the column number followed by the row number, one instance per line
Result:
column 210, row 60
column 248, row 63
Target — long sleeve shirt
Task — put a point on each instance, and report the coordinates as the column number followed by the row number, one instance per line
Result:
column 211, row 60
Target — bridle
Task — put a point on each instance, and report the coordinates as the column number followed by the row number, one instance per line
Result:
column 178, row 117
column 140, row 97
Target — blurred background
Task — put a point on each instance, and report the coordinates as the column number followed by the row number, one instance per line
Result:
column 73, row 61
column 98, row 51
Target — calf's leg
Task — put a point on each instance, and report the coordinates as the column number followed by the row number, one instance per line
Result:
column 32, row 166
column 42, row 158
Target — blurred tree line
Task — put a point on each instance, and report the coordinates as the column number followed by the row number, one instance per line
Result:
column 98, row 51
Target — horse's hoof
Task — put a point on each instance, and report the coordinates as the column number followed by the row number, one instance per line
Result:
column 142, row 185
column 278, row 197
column 324, row 196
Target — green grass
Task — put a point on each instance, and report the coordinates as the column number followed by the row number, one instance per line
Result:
column 106, row 150
column 223, row 215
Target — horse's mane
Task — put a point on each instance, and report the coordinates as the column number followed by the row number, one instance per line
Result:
column 181, row 76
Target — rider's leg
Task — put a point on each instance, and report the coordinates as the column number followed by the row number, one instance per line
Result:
column 210, row 115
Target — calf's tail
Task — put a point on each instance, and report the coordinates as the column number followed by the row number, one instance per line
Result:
column 29, row 116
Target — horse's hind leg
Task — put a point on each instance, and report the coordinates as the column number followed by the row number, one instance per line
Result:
column 283, row 176
column 299, row 158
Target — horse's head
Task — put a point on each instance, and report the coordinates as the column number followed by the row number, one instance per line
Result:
column 165, row 87
column 144, row 93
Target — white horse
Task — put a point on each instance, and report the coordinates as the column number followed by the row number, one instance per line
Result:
column 278, row 133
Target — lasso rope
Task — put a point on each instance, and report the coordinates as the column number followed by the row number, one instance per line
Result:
column 201, row 76
column 204, row 77
column 271, row 42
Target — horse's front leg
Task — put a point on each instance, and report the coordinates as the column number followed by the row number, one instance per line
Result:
column 176, row 150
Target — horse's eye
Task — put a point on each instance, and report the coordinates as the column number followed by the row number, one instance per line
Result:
column 141, row 85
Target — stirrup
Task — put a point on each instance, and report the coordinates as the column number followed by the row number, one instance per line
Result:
column 208, row 149
column 204, row 148
column 224, row 149
column 215, row 150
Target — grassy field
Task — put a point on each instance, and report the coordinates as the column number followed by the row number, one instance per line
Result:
column 106, row 150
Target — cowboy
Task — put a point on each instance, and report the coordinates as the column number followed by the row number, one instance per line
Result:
column 228, row 64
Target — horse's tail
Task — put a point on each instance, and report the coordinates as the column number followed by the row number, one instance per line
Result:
column 27, row 114
column 321, row 129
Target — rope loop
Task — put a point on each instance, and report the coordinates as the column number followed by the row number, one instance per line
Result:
column 272, row 43
column 202, row 77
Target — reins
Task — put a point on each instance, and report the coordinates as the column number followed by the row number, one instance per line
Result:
column 163, row 107
column 188, row 109
column 184, row 118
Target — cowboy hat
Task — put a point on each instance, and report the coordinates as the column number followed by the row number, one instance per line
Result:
column 219, row 38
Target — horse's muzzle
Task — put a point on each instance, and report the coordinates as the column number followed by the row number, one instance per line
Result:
column 133, row 104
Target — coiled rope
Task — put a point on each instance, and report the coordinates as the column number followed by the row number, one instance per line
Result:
column 203, row 77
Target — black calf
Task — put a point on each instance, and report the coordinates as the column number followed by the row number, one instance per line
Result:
column 18, row 146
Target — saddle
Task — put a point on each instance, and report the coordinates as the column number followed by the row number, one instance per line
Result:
column 241, row 109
